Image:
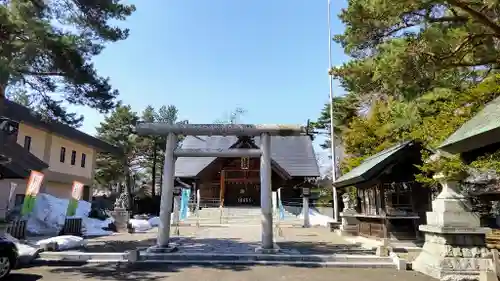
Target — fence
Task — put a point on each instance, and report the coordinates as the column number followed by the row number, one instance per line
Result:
column 17, row 229
column 72, row 226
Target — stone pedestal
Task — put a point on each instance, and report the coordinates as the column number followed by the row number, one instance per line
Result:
column 121, row 217
column 454, row 246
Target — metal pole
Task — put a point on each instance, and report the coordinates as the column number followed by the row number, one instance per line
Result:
column 167, row 192
column 197, row 204
column 265, row 193
column 332, row 130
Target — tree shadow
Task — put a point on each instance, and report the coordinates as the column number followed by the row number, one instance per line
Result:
column 325, row 248
column 134, row 272
column 227, row 249
column 23, row 277
column 106, row 246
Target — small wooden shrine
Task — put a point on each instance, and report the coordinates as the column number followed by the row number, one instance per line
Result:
column 389, row 203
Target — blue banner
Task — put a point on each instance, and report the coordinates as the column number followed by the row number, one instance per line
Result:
column 281, row 210
column 185, row 195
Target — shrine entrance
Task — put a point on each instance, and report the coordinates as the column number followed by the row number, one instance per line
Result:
column 240, row 183
column 242, row 194
column 264, row 152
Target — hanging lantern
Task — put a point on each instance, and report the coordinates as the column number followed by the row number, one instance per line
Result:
column 245, row 163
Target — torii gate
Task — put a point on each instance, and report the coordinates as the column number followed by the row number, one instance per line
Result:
column 172, row 130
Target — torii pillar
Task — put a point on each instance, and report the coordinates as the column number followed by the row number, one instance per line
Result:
column 172, row 130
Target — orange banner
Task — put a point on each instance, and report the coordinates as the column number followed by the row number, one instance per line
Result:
column 34, row 183
column 77, row 190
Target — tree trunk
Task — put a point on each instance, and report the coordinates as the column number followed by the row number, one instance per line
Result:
column 3, row 138
column 153, row 179
column 128, row 184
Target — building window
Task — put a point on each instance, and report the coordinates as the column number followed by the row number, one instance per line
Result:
column 82, row 163
column 73, row 157
column 62, row 156
column 27, row 142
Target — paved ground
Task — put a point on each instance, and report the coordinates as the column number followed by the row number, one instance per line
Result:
column 122, row 242
column 234, row 239
column 317, row 240
column 236, row 273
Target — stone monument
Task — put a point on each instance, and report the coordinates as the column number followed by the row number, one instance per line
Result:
column 349, row 222
column 121, row 213
column 454, row 247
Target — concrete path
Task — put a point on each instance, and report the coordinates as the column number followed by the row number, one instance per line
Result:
column 233, row 239
column 212, row 273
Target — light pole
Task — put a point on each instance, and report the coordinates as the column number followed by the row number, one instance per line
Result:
column 332, row 131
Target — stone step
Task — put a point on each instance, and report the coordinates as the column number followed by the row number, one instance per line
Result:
column 257, row 218
column 389, row 265
column 352, row 261
column 241, row 222
column 241, row 218
column 250, row 258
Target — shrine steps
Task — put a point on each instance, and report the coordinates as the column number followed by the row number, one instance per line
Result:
column 236, row 216
column 143, row 257
column 360, row 261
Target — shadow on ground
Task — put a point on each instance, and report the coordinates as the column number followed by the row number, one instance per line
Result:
column 23, row 277
column 325, row 248
column 156, row 271
column 229, row 246
column 142, row 272
column 117, row 245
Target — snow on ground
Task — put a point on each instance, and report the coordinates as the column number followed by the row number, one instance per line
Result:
column 64, row 242
column 49, row 214
column 141, row 225
column 316, row 218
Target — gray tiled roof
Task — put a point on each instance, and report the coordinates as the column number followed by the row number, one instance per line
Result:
column 294, row 154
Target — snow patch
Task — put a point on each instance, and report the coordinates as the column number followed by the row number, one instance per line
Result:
column 64, row 242
column 316, row 218
column 49, row 215
column 140, row 225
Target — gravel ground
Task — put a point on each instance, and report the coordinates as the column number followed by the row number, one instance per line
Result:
column 236, row 273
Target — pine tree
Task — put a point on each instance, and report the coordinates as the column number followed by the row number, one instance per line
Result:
column 118, row 129
column 47, row 48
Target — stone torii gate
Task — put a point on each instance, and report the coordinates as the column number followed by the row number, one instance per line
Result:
column 171, row 153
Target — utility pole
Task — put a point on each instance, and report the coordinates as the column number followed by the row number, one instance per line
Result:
column 332, row 128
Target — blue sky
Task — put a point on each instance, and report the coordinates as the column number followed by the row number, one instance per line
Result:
column 209, row 57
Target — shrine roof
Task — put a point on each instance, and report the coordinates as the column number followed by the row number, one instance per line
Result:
column 372, row 165
column 481, row 130
column 294, row 154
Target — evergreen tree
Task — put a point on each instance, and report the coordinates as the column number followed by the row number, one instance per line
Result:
column 166, row 114
column 152, row 148
column 47, row 47
column 118, row 129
